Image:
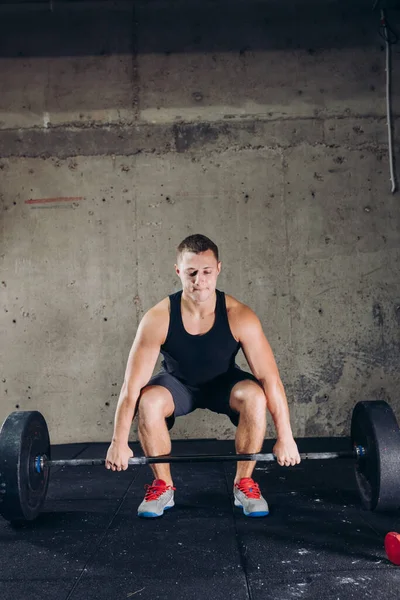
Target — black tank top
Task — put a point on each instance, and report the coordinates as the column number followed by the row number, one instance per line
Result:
column 197, row 359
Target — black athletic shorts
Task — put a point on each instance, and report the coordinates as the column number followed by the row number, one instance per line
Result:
column 213, row 395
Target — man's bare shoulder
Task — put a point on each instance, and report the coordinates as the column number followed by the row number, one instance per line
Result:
column 237, row 309
column 239, row 315
column 158, row 312
column 156, row 320
column 160, row 308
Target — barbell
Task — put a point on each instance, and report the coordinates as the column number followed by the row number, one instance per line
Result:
column 25, row 460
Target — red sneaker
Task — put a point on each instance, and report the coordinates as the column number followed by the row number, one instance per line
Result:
column 248, row 496
column 159, row 497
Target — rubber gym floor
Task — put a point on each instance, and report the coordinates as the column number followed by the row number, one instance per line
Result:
column 88, row 542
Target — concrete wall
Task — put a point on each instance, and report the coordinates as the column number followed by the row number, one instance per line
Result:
column 125, row 127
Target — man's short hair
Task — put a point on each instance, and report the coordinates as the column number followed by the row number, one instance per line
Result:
column 197, row 243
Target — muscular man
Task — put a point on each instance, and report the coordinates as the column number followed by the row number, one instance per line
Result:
column 199, row 331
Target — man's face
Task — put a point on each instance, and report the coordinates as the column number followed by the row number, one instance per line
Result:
column 198, row 274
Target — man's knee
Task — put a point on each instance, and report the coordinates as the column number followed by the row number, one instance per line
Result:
column 248, row 395
column 155, row 403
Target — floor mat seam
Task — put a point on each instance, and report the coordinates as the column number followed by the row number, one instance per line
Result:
column 242, row 557
column 101, row 539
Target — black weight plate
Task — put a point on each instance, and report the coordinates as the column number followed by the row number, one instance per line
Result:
column 23, row 436
column 374, row 427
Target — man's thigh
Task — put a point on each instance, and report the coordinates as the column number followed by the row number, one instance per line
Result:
column 216, row 394
column 184, row 398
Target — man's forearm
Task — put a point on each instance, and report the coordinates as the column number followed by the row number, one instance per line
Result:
column 279, row 409
column 124, row 415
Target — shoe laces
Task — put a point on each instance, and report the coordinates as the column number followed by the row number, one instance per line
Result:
column 249, row 487
column 156, row 489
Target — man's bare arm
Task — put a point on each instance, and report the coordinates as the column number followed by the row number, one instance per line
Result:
column 141, row 362
column 257, row 350
column 143, row 356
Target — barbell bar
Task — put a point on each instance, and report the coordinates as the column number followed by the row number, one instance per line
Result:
column 42, row 462
column 25, row 460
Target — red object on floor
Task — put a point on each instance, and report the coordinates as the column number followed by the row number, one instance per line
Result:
column 392, row 547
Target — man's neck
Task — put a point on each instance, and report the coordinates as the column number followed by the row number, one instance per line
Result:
column 199, row 310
